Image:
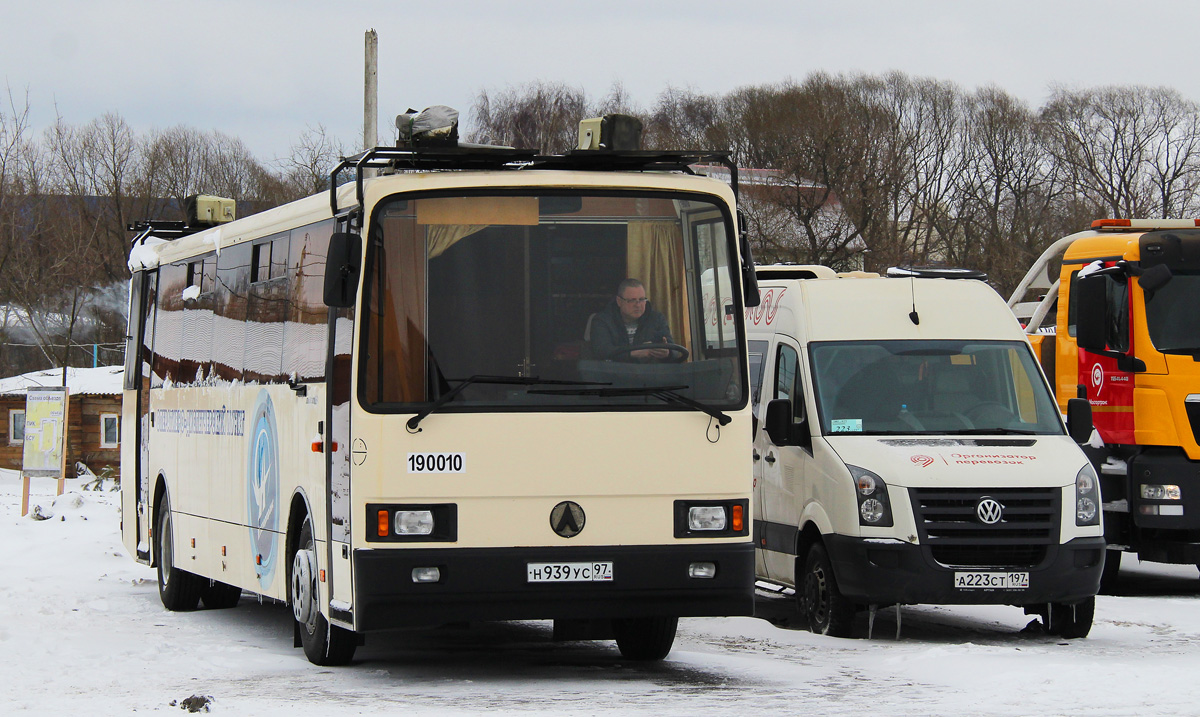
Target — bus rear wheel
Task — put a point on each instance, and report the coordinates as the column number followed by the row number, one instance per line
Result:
column 645, row 638
column 324, row 644
column 178, row 589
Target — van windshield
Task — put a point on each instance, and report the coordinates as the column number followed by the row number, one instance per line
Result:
column 931, row 388
column 519, row 300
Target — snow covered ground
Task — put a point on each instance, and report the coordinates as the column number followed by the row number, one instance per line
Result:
column 82, row 631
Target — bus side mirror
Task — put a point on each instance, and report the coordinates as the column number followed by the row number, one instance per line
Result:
column 341, row 269
column 1091, row 304
column 1079, row 420
column 778, row 423
column 750, row 295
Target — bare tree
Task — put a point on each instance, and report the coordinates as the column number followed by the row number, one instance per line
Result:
column 313, row 156
column 540, row 115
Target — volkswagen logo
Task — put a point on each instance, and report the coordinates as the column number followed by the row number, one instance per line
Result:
column 567, row 519
column 989, row 511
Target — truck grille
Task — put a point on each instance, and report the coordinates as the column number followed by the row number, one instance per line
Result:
column 1193, row 414
column 948, row 525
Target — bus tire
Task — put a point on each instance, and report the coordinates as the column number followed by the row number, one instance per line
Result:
column 1072, row 621
column 217, row 595
column 323, row 644
column 178, row 589
column 645, row 638
column 1110, row 574
column 822, row 605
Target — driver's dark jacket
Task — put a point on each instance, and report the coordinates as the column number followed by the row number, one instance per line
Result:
column 608, row 332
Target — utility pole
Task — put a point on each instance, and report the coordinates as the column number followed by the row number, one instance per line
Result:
column 371, row 94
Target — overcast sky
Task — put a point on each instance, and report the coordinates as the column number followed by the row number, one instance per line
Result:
column 263, row 70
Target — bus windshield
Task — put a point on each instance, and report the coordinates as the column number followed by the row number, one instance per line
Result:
column 931, row 387
column 512, row 300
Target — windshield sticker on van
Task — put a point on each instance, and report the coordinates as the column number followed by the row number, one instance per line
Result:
column 845, row 425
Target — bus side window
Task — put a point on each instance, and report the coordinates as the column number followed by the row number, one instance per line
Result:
column 233, row 291
column 266, row 310
column 305, row 333
column 168, row 334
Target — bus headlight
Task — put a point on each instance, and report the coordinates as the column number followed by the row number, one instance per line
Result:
column 1087, row 497
column 414, row 522
column 874, row 508
column 706, row 517
column 711, row 518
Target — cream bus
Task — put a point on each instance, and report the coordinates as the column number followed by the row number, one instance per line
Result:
column 381, row 404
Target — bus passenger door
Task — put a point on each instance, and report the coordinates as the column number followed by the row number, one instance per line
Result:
column 135, row 414
column 338, row 448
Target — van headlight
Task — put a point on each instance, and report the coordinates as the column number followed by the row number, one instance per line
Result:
column 874, row 508
column 1087, row 496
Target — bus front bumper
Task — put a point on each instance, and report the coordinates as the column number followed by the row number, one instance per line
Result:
column 493, row 584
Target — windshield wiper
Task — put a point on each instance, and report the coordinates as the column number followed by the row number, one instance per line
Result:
column 666, row 394
column 501, row 380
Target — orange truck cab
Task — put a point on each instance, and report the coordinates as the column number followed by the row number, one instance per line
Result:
column 1116, row 320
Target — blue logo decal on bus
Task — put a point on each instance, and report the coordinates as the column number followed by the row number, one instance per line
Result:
column 262, row 479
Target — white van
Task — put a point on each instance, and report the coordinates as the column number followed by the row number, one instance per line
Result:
column 908, row 450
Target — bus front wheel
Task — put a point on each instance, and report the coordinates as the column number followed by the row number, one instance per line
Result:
column 645, row 638
column 324, row 644
column 178, row 589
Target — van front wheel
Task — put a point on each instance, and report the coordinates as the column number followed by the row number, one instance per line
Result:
column 827, row 611
column 1072, row 621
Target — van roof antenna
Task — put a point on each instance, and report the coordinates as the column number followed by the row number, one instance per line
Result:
column 913, row 314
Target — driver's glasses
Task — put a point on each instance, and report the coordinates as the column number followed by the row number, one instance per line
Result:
column 633, row 301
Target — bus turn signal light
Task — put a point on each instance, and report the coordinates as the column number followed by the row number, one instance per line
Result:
column 738, row 518
column 383, row 524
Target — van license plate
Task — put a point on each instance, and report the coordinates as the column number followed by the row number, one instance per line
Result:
column 991, row 581
column 568, row 572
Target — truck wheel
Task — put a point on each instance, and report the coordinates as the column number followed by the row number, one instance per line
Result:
column 217, row 595
column 828, row 612
column 178, row 589
column 645, row 638
column 324, row 644
column 1072, row 621
column 1109, row 576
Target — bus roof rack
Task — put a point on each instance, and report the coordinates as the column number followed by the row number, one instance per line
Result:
column 161, row 228
column 484, row 157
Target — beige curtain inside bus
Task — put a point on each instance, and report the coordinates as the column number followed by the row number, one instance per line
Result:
column 654, row 255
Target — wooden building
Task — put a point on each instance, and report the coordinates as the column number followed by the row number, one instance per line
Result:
column 94, row 416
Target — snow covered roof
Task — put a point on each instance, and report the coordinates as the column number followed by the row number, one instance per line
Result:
column 105, row 380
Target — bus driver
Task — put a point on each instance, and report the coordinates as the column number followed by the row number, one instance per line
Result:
column 630, row 321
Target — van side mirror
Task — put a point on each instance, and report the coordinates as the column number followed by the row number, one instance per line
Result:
column 342, row 267
column 1079, row 420
column 778, row 423
column 1091, row 304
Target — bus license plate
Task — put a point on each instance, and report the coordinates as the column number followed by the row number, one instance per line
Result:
column 991, row 581
column 568, row 572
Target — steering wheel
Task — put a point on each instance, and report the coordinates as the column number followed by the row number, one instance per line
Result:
column 678, row 354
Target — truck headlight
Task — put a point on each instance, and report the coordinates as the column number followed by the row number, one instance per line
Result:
column 1087, row 497
column 1160, row 492
column 874, row 508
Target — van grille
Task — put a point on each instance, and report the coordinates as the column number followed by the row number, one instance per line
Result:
column 948, row 525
